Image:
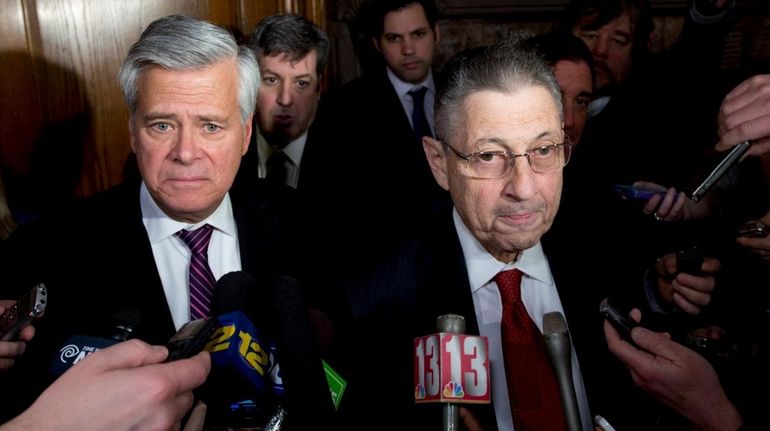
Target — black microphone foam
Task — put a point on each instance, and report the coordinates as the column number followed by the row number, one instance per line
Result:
column 307, row 397
column 234, row 292
column 239, row 353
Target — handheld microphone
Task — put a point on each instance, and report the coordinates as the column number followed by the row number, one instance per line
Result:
column 241, row 359
column 123, row 324
column 451, row 367
column 558, row 347
column 307, row 398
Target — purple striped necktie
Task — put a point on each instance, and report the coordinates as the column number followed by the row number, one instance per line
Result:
column 201, row 279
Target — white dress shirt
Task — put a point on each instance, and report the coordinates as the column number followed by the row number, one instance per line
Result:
column 172, row 256
column 403, row 88
column 539, row 295
column 293, row 151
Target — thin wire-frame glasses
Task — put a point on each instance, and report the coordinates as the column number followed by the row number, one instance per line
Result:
column 498, row 163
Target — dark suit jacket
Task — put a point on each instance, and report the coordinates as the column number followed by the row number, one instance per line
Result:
column 398, row 298
column 384, row 186
column 97, row 260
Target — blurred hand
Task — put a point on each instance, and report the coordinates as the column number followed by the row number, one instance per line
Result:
column 673, row 205
column 7, row 223
column 123, row 387
column 689, row 292
column 745, row 116
column 676, row 376
column 470, row 423
column 758, row 246
column 10, row 350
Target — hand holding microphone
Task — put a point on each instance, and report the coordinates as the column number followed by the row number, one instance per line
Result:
column 10, row 350
column 125, row 386
column 122, row 326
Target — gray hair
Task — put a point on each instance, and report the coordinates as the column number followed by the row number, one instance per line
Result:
column 505, row 67
column 178, row 42
column 292, row 35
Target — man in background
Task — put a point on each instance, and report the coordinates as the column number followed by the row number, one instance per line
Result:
column 292, row 53
column 377, row 122
column 572, row 65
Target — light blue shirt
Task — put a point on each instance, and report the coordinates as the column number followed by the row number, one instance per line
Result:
column 172, row 256
column 403, row 88
column 539, row 295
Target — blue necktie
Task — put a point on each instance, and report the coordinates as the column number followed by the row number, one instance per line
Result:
column 420, row 124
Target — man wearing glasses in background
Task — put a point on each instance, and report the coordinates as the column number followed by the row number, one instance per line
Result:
column 499, row 151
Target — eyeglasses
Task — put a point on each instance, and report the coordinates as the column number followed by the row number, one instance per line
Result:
column 496, row 164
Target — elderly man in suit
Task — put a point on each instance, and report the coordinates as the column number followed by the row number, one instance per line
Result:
column 157, row 246
column 499, row 151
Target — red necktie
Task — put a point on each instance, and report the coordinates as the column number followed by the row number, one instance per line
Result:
column 532, row 389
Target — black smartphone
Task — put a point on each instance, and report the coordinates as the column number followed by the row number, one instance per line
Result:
column 690, row 261
column 23, row 312
column 632, row 192
column 620, row 322
column 722, row 165
column 190, row 339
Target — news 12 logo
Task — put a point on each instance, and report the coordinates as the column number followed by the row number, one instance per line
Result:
column 451, row 367
column 236, row 336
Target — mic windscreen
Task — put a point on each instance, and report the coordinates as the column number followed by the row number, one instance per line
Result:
column 233, row 292
column 307, row 396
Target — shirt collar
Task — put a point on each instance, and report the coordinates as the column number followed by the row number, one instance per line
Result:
column 293, row 149
column 402, row 88
column 160, row 226
column 482, row 266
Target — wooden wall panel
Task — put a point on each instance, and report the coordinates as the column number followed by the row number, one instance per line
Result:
column 18, row 97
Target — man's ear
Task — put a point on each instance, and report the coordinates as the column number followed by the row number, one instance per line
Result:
column 437, row 34
column 131, row 133
column 376, row 43
column 247, row 131
column 437, row 160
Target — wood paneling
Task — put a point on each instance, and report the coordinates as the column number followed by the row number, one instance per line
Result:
column 66, row 119
column 18, row 97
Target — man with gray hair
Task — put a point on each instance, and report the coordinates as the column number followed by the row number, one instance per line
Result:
column 159, row 245
column 499, row 151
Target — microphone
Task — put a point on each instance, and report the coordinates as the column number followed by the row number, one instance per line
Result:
column 241, row 357
column 307, row 397
column 123, row 324
column 451, row 367
column 558, row 347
